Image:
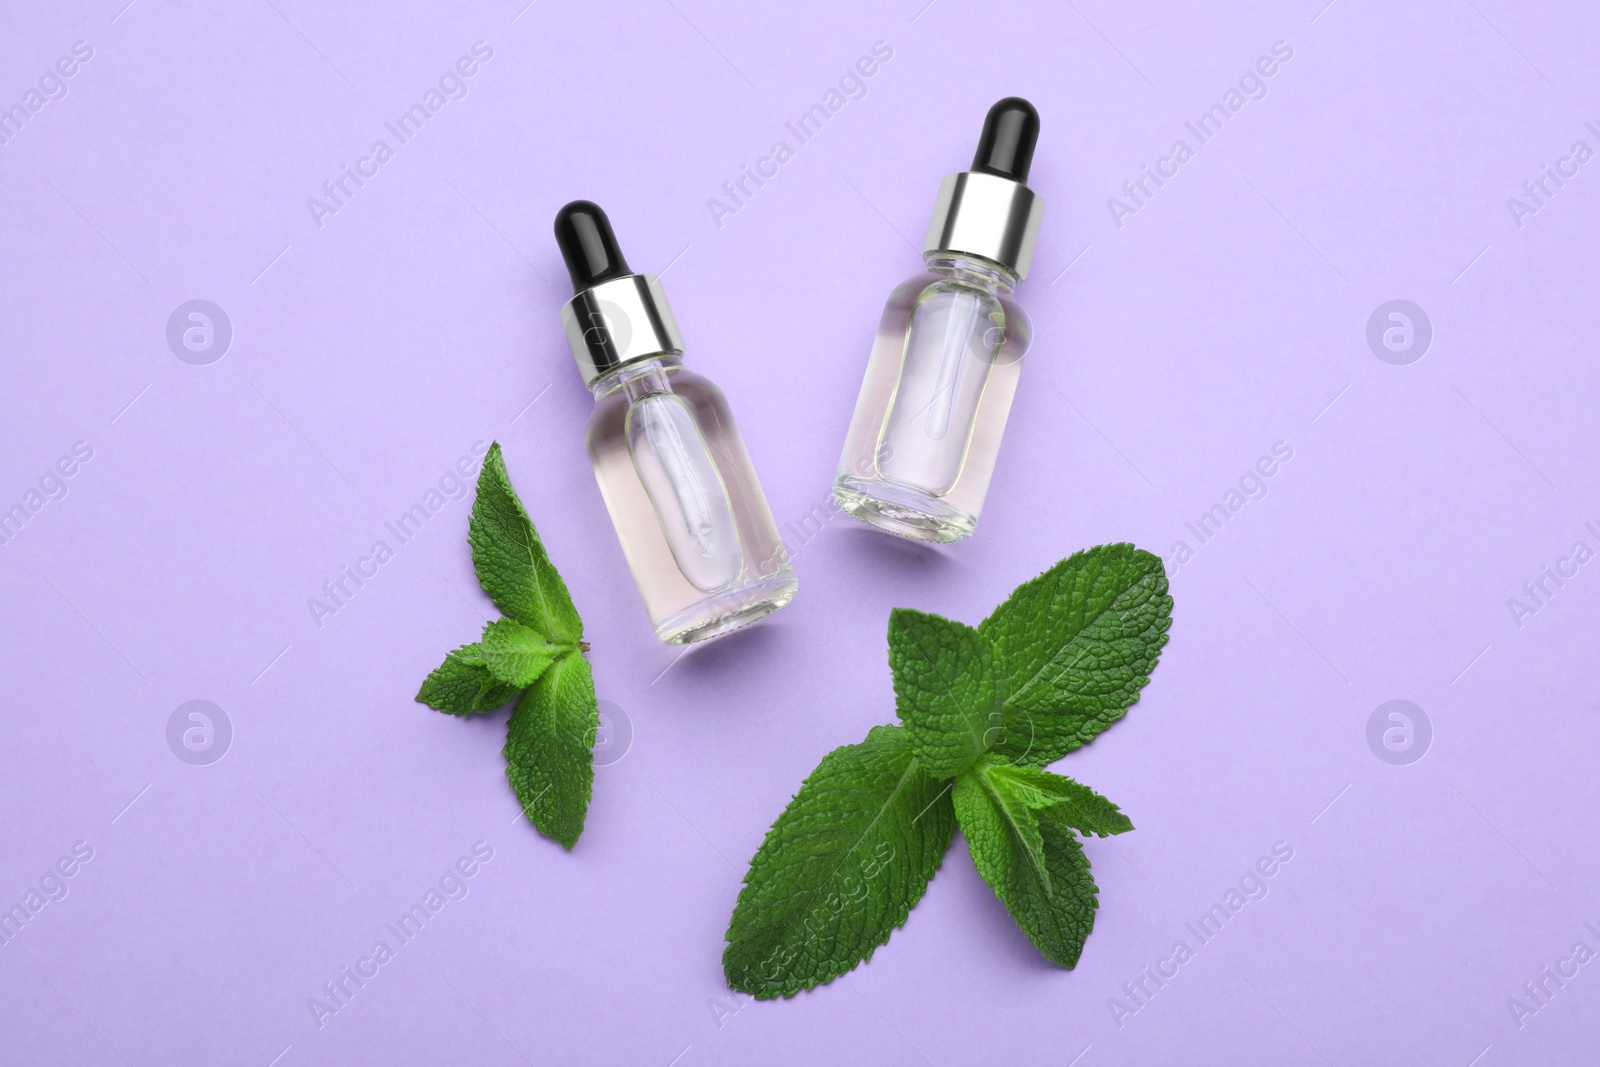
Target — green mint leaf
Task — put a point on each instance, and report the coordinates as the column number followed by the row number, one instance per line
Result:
column 537, row 651
column 840, row 869
column 948, row 686
column 549, row 748
column 511, row 561
column 1017, row 822
column 1078, row 643
column 1061, row 659
column 464, row 685
column 1057, row 797
column 1052, row 898
column 515, row 654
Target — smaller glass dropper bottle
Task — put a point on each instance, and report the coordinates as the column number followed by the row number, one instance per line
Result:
column 671, row 465
column 927, row 426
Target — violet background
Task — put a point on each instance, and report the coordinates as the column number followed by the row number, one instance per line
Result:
column 1172, row 352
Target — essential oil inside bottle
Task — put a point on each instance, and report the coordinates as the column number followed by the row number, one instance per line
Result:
column 670, row 462
column 943, row 370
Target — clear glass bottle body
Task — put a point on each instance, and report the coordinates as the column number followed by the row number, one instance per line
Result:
column 683, row 496
column 932, row 410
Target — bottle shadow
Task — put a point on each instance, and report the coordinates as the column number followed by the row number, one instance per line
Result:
column 740, row 648
column 897, row 556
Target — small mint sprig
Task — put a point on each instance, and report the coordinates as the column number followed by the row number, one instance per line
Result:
column 983, row 710
column 534, row 656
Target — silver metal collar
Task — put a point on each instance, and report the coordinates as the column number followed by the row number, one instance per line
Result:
column 617, row 322
column 989, row 216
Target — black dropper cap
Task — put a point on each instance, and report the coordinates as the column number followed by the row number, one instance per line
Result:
column 1010, row 132
column 589, row 246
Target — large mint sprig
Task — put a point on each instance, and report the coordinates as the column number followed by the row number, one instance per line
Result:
column 983, row 710
column 535, row 652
